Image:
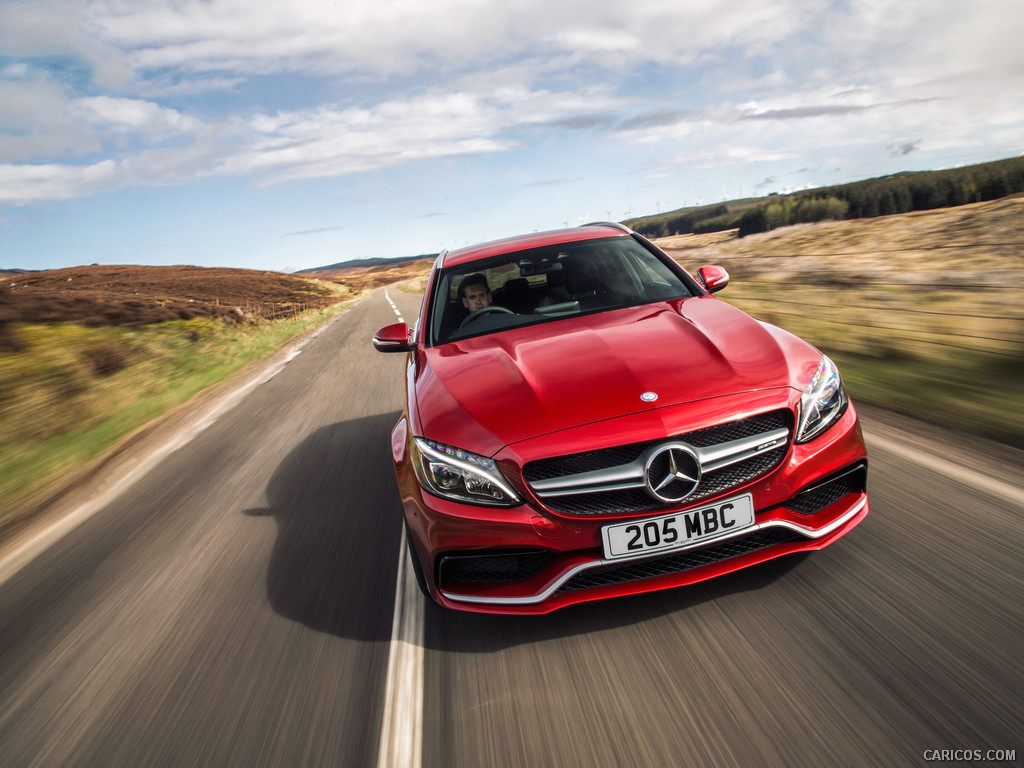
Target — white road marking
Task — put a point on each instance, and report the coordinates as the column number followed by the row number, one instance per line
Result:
column 26, row 551
column 397, row 311
column 401, row 733
column 981, row 483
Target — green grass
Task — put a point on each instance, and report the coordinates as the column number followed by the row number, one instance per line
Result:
column 951, row 357
column 979, row 398
column 70, row 393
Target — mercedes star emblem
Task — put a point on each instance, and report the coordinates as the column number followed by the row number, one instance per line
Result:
column 672, row 472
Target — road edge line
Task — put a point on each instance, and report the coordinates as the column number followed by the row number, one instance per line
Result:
column 401, row 735
column 981, row 483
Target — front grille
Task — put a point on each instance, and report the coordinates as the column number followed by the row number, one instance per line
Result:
column 494, row 567
column 559, row 466
column 677, row 562
column 636, row 499
column 830, row 491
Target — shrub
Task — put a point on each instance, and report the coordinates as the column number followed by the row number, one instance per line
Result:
column 107, row 359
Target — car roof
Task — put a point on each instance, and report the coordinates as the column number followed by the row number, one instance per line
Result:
column 532, row 240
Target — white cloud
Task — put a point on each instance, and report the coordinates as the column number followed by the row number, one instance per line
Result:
column 135, row 116
column 39, row 120
column 62, row 28
column 164, row 86
column 328, row 141
column 21, row 184
column 285, row 146
column 739, row 82
column 35, row 123
column 26, row 103
column 729, row 154
column 382, row 37
column 17, row 71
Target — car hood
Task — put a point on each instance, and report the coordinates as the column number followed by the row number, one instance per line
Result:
column 485, row 393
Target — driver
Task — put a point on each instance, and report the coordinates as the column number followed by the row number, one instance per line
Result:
column 475, row 293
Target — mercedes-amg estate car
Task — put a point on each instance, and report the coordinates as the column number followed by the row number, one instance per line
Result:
column 584, row 420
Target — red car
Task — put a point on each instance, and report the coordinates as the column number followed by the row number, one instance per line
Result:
column 585, row 420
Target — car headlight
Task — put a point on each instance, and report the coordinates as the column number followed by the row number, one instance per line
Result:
column 822, row 403
column 453, row 473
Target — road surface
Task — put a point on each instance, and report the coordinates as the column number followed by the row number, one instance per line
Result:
column 231, row 602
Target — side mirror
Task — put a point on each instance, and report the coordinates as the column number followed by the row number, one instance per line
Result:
column 392, row 338
column 714, row 278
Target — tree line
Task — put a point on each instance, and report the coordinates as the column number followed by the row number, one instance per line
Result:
column 900, row 193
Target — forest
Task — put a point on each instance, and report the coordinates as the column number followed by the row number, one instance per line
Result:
column 887, row 195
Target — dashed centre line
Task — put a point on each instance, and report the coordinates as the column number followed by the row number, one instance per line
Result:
column 401, row 735
column 398, row 312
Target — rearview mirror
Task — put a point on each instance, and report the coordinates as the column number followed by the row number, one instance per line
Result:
column 392, row 338
column 714, row 278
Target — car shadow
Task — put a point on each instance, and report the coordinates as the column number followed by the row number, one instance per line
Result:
column 337, row 510
column 334, row 561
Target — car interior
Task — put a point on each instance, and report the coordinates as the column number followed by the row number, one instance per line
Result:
column 555, row 282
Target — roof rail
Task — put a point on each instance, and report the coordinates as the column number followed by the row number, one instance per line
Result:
column 612, row 224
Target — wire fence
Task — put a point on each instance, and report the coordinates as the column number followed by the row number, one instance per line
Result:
column 280, row 310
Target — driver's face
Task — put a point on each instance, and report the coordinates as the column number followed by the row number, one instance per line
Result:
column 476, row 297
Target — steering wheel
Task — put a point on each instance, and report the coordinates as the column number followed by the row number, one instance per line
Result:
column 484, row 311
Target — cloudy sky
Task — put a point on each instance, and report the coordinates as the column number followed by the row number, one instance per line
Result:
column 295, row 134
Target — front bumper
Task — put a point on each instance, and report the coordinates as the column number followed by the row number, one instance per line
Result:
column 531, row 560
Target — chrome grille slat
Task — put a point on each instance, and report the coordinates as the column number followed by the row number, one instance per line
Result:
column 733, row 452
column 617, row 478
column 612, row 481
column 631, row 475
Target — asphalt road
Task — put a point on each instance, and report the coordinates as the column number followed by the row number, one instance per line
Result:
column 232, row 606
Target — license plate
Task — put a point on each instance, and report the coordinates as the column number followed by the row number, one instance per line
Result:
column 678, row 530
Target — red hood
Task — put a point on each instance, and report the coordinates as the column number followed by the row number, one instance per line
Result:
column 484, row 393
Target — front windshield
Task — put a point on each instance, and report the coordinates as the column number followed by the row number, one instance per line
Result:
column 549, row 283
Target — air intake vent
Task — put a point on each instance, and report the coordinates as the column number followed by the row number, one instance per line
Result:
column 678, row 562
column 824, row 494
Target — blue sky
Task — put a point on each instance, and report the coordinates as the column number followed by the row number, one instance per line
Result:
column 292, row 135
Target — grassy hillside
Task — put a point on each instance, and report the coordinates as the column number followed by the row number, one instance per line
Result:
column 91, row 354
column 922, row 311
column 866, row 199
column 366, row 278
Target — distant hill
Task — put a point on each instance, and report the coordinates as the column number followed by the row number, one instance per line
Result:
column 12, row 272
column 363, row 264
column 883, row 196
column 99, row 295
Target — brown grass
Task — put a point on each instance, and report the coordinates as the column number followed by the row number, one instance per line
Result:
column 359, row 279
column 922, row 311
column 134, row 296
column 968, row 245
